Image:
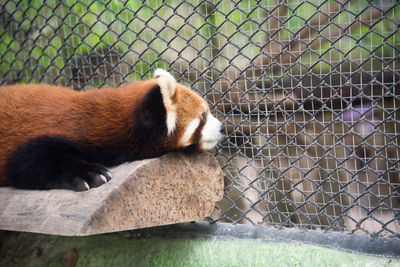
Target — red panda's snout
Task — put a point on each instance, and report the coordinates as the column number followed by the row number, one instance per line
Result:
column 204, row 132
column 211, row 133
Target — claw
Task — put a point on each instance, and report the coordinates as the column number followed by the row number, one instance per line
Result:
column 108, row 175
column 103, row 177
column 86, row 185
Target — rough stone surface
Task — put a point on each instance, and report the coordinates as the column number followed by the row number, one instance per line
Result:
column 171, row 189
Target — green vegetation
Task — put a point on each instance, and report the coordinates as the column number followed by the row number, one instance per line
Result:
column 24, row 249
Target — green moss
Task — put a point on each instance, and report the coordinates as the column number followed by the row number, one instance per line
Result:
column 25, row 249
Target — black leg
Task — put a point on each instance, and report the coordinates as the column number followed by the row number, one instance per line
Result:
column 53, row 162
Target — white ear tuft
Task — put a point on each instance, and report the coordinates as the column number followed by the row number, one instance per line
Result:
column 166, row 82
column 167, row 85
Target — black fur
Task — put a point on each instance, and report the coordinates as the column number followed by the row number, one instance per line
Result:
column 150, row 117
column 51, row 162
column 192, row 149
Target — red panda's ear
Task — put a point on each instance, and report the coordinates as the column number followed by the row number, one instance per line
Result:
column 167, row 84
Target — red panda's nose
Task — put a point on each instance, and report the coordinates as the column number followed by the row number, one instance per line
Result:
column 222, row 129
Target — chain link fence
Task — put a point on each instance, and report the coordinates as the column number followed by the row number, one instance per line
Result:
column 308, row 90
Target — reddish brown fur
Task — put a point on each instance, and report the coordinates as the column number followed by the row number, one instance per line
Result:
column 92, row 117
column 189, row 107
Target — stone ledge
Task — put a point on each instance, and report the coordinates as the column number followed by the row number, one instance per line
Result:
column 170, row 189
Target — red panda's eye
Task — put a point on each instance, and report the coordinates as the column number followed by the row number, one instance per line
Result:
column 204, row 115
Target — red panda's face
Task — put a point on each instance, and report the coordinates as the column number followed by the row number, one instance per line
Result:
column 188, row 116
column 195, row 123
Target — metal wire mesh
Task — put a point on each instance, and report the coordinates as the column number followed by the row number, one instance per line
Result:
column 308, row 91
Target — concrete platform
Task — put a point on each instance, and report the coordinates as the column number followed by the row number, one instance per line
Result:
column 173, row 188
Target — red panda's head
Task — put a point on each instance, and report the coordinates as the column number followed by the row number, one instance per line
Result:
column 188, row 116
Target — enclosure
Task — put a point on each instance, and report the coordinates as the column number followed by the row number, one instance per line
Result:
column 309, row 92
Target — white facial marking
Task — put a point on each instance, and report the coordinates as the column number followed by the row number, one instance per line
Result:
column 167, row 85
column 171, row 121
column 189, row 131
column 211, row 133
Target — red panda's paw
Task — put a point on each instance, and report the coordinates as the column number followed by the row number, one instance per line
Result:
column 50, row 162
column 93, row 176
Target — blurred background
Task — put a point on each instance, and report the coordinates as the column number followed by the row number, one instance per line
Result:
column 309, row 92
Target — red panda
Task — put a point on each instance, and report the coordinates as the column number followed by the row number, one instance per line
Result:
column 55, row 137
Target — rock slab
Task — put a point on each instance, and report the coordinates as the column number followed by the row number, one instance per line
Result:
column 170, row 189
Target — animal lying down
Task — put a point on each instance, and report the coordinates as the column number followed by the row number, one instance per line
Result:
column 55, row 137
